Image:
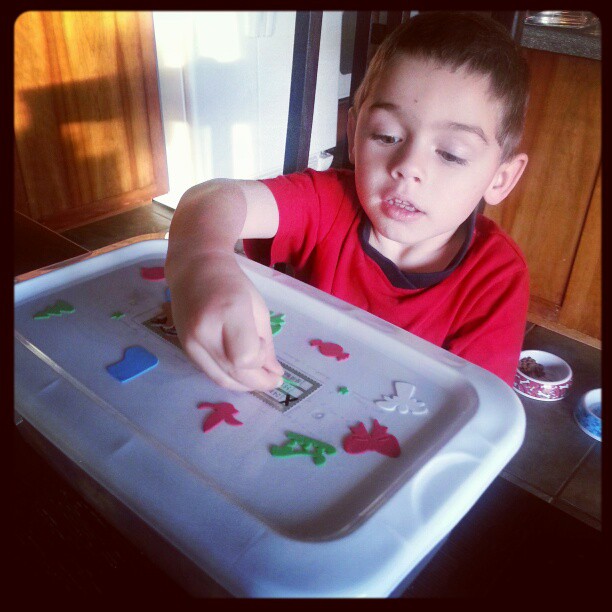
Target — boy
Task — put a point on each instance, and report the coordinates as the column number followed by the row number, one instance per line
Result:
column 433, row 131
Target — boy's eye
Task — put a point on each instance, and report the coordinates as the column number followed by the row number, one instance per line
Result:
column 449, row 157
column 386, row 138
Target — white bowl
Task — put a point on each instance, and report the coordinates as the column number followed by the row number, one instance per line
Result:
column 558, row 378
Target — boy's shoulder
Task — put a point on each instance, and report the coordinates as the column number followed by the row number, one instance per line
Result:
column 332, row 190
column 320, row 181
column 331, row 176
column 490, row 237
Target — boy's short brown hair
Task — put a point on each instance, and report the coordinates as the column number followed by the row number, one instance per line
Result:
column 463, row 39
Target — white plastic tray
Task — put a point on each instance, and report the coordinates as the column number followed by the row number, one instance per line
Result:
column 258, row 524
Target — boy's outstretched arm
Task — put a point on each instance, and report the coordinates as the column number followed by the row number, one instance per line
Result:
column 221, row 319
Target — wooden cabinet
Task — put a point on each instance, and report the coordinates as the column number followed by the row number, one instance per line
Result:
column 88, row 130
column 581, row 308
column 554, row 213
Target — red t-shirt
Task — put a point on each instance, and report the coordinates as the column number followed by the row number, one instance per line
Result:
column 478, row 311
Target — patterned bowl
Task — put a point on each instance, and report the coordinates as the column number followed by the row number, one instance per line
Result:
column 588, row 413
column 553, row 385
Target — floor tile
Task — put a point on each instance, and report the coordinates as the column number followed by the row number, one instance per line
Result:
column 552, row 449
column 147, row 219
column 488, row 535
column 510, row 477
column 565, row 562
column 583, row 491
column 36, row 246
column 579, row 514
column 509, row 544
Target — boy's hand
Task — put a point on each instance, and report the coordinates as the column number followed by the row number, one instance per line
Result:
column 224, row 325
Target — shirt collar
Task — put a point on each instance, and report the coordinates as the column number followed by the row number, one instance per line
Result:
column 414, row 280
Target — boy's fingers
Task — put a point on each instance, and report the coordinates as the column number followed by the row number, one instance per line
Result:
column 229, row 377
column 264, row 375
column 210, row 367
column 270, row 362
column 234, row 346
column 247, row 342
column 241, row 344
column 264, row 329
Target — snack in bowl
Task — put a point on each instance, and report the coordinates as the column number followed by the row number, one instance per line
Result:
column 529, row 366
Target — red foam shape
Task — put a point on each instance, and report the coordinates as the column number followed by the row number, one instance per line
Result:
column 360, row 441
column 330, row 349
column 153, row 274
column 222, row 412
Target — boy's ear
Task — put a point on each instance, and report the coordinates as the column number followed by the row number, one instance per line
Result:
column 350, row 133
column 505, row 179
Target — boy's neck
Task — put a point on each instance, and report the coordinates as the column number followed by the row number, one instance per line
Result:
column 416, row 259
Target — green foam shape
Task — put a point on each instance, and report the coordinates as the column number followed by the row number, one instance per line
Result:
column 65, row 306
column 298, row 444
column 276, row 322
column 58, row 309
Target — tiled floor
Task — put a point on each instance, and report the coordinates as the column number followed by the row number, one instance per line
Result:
column 557, row 462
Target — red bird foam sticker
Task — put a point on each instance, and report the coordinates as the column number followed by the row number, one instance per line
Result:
column 222, row 412
column 360, row 441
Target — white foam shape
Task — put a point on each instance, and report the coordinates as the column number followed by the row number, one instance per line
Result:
column 387, row 404
column 403, row 401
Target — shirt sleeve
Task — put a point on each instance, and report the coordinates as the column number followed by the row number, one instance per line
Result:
column 308, row 203
column 492, row 333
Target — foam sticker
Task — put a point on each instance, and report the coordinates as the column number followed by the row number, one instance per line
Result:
column 276, row 322
column 343, row 390
column 360, row 441
column 58, row 309
column 117, row 315
column 329, row 349
column 136, row 361
column 155, row 273
column 403, row 401
column 298, row 444
column 223, row 412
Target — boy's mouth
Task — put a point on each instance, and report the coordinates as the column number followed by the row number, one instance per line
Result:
column 403, row 204
column 400, row 210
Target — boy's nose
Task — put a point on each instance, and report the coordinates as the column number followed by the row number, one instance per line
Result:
column 407, row 164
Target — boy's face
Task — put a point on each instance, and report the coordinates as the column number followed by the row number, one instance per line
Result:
column 425, row 154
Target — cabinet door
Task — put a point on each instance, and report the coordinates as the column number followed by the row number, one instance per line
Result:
column 546, row 212
column 581, row 308
column 88, row 129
